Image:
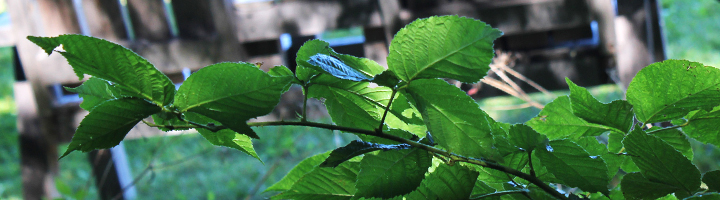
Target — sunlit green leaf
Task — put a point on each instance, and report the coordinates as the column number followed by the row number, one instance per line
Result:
column 617, row 114
column 455, row 120
column 660, row 162
column 672, row 88
column 674, row 138
column 443, row 47
column 446, row 182
column 298, row 172
column 108, row 124
column 360, row 68
column 525, row 137
column 95, row 91
column 574, row 166
column 703, row 126
column 109, row 61
column 381, row 174
column 325, row 183
column 231, row 93
column 557, row 121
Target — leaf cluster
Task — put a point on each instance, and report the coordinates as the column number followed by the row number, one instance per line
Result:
column 420, row 137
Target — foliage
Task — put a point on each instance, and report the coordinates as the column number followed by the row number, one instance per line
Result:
column 421, row 137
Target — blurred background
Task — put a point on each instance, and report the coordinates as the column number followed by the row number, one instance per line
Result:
column 598, row 44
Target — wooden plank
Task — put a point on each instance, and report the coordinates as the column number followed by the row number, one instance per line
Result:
column 639, row 37
column 149, row 20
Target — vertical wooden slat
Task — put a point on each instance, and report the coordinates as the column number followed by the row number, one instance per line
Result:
column 194, row 18
column 104, row 19
column 149, row 20
column 639, row 38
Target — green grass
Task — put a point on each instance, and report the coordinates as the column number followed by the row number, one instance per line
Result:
column 10, row 180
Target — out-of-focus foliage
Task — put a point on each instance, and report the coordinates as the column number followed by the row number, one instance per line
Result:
column 691, row 30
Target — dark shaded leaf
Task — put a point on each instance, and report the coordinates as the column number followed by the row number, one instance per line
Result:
column 660, row 162
column 392, row 173
column 712, row 180
column 108, row 124
column 636, row 186
column 356, row 148
column 574, row 166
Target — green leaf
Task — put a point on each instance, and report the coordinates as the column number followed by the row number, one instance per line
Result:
column 280, row 71
column 357, row 105
column 455, row 120
column 225, row 137
column 108, row 124
column 574, row 166
column 112, row 62
column 349, row 103
column 674, row 138
column 617, row 115
column 594, row 148
column 231, row 93
column 671, row 89
column 387, row 79
column 660, row 162
column 481, row 188
column 356, row 148
column 95, row 91
column 446, row 182
column 337, row 68
column 636, row 186
column 392, row 173
column 703, row 126
column 712, row 180
column 359, row 67
column 615, row 142
column 298, row 172
column 443, row 47
column 168, row 118
column 557, row 121
column 525, row 137
column 325, row 183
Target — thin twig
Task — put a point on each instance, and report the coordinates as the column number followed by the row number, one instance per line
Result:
column 500, row 193
column 451, row 156
column 387, row 109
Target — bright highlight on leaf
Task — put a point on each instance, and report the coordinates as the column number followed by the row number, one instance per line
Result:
column 106, row 60
column 443, row 47
column 670, row 89
column 231, row 93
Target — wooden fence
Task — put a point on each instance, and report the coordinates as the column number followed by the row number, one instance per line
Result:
column 555, row 37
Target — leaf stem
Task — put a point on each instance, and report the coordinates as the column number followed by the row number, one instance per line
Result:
column 387, row 109
column 532, row 169
column 667, row 128
column 451, row 156
column 306, row 89
column 523, row 191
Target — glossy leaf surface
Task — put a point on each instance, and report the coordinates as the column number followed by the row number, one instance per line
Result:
column 443, row 47
column 670, row 89
column 231, row 93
